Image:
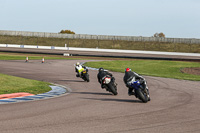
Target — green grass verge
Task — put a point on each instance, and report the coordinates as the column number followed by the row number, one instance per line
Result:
column 167, row 69
column 12, row 84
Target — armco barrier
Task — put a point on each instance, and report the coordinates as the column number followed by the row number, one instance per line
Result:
column 99, row 50
column 101, row 37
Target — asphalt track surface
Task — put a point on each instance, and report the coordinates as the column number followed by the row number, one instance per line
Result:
column 174, row 107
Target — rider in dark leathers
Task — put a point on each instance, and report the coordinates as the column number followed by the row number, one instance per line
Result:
column 131, row 76
column 101, row 75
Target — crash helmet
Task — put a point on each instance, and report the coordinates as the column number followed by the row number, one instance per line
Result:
column 77, row 64
column 127, row 69
column 101, row 69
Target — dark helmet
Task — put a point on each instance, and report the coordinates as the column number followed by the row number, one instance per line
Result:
column 101, row 69
column 127, row 69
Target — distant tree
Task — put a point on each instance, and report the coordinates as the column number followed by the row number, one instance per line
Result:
column 159, row 34
column 67, row 32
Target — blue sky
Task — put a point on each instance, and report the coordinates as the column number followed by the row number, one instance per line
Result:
column 175, row 18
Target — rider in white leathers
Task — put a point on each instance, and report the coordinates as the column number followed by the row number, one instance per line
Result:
column 78, row 69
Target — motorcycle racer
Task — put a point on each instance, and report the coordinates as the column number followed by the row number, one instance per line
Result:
column 102, row 73
column 78, row 69
column 130, row 77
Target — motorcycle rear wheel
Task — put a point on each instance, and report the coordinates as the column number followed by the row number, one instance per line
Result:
column 87, row 78
column 112, row 89
column 142, row 96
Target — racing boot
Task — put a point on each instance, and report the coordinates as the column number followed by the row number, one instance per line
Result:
column 115, row 83
column 130, row 92
column 103, row 86
column 77, row 75
column 149, row 99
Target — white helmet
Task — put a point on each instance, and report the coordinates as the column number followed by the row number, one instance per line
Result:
column 77, row 64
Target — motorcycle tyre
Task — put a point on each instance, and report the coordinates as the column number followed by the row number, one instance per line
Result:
column 142, row 96
column 112, row 89
column 87, row 78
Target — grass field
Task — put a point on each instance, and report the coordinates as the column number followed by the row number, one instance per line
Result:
column 167, row 69
column 11, row 84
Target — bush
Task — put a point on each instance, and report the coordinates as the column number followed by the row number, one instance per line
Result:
column 159, row 34
column 67, row 32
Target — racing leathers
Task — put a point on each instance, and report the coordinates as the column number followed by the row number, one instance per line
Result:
column 130, row 77
column 101, row 75
column 79, row 69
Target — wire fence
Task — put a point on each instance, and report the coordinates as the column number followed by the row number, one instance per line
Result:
column 101, row 37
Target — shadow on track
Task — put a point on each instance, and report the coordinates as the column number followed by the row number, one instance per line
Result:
column 115, row 100
column 71, row 80
column 93, row 93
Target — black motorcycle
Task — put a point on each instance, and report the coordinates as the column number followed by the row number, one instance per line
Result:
column 110, row 84
column 85, row 75
column 141, row 92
